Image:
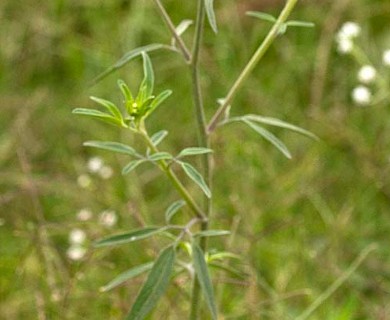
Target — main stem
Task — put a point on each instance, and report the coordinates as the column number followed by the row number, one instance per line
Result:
column 203, row 142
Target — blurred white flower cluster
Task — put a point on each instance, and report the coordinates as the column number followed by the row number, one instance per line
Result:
column 368, row 76
column 95, row 166
column 76, row 250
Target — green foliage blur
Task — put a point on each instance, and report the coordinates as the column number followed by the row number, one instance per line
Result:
column 297, row 224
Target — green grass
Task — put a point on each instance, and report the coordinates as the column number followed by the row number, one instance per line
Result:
column 297, row 224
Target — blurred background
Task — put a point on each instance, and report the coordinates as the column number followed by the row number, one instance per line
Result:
column 297, row 224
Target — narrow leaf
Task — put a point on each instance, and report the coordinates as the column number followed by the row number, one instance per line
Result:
column 209, row 4
column 148, row 75
column 196, row 177
column 180, row 29
column 203, row 276
column 158, row 137
column 102, row 116
column 193, row 151
column 223, row 255
column 112, row 108
column 128, row 57
column 128, row 237
column 262, row 16
column 158, row 100
column 160, row 156
column 127, row 275
column 112, row 146
column 270, row 138
column 281, row 124
column 125, row 91
column 173, row 209
column 212, row 233
column 155, row 286
column 131, row 166
column 303, row 24
column 234, row 272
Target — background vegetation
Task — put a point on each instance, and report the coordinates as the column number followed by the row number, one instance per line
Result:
column 298, row 224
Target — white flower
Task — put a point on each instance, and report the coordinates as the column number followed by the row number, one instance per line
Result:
column 95, row 164
column 77, row 236
column 84, row 181
column 84, row 215
column 349, row 30
column 108, row 218
column 106, row 172
column 344, row 45
column 386, row 58
column 367, row 74
column 76, row 252
column 361, row 95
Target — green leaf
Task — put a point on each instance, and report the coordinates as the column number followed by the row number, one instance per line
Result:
column 180, row 29
column 203, row 276
column 281, row 124
column 193, row 151
column 196, row 177
column 158, row 100
column 128, row 237
column 148, row 81
column 270, row 138
column 155, row 286
column 262, row 16
column 112, row 146
column 173, row 209
column 209, row 4
column 303, row 24
column 234, row 272
column 223, row 255
column 212, row 233
column 160, row 156
column 158, row 137
column 102, row 116
column 126, row 91
column 131, row 166
column 127, row 275
column 128, row 57
column 112, row 108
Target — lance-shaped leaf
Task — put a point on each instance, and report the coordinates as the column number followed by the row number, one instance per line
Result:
column 157, row 101
column 279, row 123
column 129, row 99
column 262, row 16
column 148, row 81
column 270, row 138
column 196, row 177
column 212, row 233
column 173, row 209
column 209, row 5
column 203, row 276
column 131, row 166
column 193, row 151
column 112, row 146
column 160, row 156
column 128, row 237
column 155, row 286
column 302, row 24
column 102, row 116
column 158, row 137
column 180, row 29
column 112, row 108
column 127, row 275
column 130, row 56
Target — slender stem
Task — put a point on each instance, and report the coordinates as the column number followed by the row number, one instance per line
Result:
column 260, row 52
column 182, row 46
column 203, row 142
column 175, row 181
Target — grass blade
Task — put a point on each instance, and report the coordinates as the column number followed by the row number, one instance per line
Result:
column 155, row 286
column 196, row 177
column 127, row 275
column 204, row 279
column 209, row 4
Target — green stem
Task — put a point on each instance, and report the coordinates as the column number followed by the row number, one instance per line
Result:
column 260, row 52
column 175, row 181
column 203, row 142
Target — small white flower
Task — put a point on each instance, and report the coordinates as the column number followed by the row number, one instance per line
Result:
column 367, row 74
column 84, row 215
column 77, row 236
column 108, row 218
column 361, row 95
column 76, row 252
column 84, row 181
column 344, row 45
column 95, row 164
column 350, row 30
column 386, row 58
column 106, row 172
